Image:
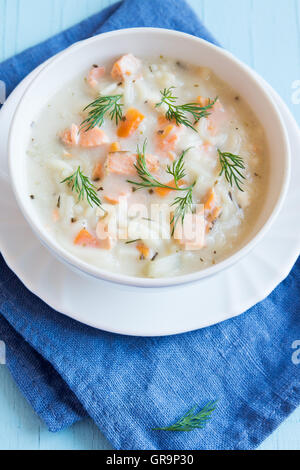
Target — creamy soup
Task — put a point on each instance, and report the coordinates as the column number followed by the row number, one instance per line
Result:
column 149, row 168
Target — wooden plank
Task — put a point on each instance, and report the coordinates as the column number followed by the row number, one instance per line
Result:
column 276, row 36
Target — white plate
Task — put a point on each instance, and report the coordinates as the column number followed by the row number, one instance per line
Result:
column 156, row 312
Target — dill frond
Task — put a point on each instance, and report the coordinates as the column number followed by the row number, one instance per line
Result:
column 192, row 420
column 231, row 166
column 98, row 108
column 82, row 186
column 179, row 113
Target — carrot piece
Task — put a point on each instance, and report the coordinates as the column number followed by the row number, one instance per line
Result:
column 111, row 200
column 85, row 238
column 209, row 200
column 144, row 250
column 203, row 101
column 212, row 217
column 115, row 147
column 131, row 123
column 168, row 130
column 98, row 172
column 215, row 214
column 162, row 120
column 162, row 192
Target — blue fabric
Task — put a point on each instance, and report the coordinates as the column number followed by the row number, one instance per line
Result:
column 130, row 385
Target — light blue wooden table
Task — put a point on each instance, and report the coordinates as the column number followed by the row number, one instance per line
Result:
column 263, row 33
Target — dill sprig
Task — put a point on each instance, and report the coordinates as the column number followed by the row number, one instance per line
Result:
column 81, row 184
column 149, row 181
column 231, row 166
column 98, row 108
column 184, row 205
column 178, row 113
column 132, row 241
column 192, row 420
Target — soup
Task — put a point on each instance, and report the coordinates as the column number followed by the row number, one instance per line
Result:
column 148, row 167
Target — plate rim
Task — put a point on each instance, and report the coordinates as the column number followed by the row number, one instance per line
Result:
column 253, row 300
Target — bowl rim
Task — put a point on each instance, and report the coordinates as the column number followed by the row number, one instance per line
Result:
column 85, row 268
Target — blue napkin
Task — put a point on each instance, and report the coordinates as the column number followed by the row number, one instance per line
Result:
column 130, row 385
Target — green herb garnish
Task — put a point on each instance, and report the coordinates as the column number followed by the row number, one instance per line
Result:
column 81, row 184
column 98, row 109
column 133, row 241
column 231, row 167
column 192, row 420
column 178, row 113
column 149, row 181
column 183, row 204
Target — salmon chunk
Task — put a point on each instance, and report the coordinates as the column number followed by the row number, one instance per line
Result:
column 93, row 138
column 167, row 137
column 122, row 163
column 94, row 75
column 87, row 139
column 191, row 233
column 127, row 66
column 105, row 240
column 70, row 137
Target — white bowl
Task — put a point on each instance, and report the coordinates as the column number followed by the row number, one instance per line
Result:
column 149, row 42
